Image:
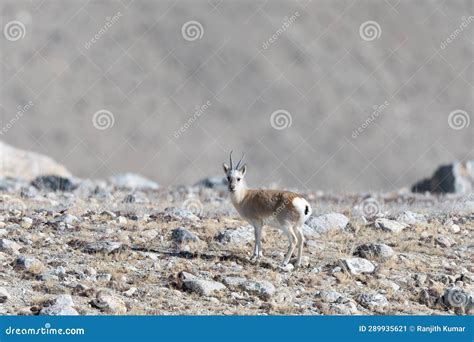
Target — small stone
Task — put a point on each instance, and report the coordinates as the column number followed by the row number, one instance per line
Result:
column 26, row 222
column 444, row 241
column 348, row 307
column 237, row 236
column 202, row 287
column 109, row 304
column 103, row 277
column 107, row 247
column 60, row 306
column 121, row 220
column 455, row 228
column 182, row 235
column 263, row 289
column 390, row 225
column 67, row 219
column 4, row 295
column 329, row 296
column 29, row 264
column 287, row 268
column 420, row 279
column 9, row 246
column 377, row 251
column 372, row 300
column 411, row 218
column 357, row 265
column 130, row 292
column 177, row 214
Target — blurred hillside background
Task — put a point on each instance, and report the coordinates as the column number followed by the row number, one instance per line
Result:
column 329, row 94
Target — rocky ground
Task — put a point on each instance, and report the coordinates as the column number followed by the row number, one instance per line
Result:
column 126, row 246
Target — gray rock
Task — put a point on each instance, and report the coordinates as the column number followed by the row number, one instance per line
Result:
column 178, row 214
column 372, row 300
column 200, row 286
column 67, row 219
column 182, row 235
column 357, row 265
column 238, row 236
column 29, row 264
column 374, row 251
column 444, row 241
column 4, row 295
column 347, row 307
column 18, row 163
column 26, row 222
column 103, row 247
column 9, row 246
column 261, row 288
column 326, row 222
column 457, row 177
column 108, row 303
column 53, row 183
column 390, row 225
column 60, row 306
column 213, row 183
column 329, row 296
column 411, row 218
column 133, row 181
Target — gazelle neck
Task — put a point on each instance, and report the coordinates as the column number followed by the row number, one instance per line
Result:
column 238, row 195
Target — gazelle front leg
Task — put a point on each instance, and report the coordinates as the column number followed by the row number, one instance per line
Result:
column 257, row 249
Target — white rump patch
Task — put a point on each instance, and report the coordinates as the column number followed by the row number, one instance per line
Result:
column 300, row 204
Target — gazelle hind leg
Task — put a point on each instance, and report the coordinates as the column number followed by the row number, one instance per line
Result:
column 300, row 244
column 291, row 244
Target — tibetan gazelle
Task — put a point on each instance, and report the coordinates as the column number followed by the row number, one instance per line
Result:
column 285, row 209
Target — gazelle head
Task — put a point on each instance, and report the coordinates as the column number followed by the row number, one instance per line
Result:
column 235, row 175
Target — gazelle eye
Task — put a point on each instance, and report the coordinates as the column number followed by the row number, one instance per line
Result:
column 238, row 179
column 228, row 178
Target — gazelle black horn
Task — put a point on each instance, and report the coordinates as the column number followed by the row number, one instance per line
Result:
column 230, row 159
column 238, row 164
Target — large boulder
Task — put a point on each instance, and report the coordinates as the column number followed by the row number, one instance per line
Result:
column 28, row 165
column 457, row 177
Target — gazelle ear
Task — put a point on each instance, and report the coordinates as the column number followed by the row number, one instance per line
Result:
column 243, row 169
column 225, row 167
